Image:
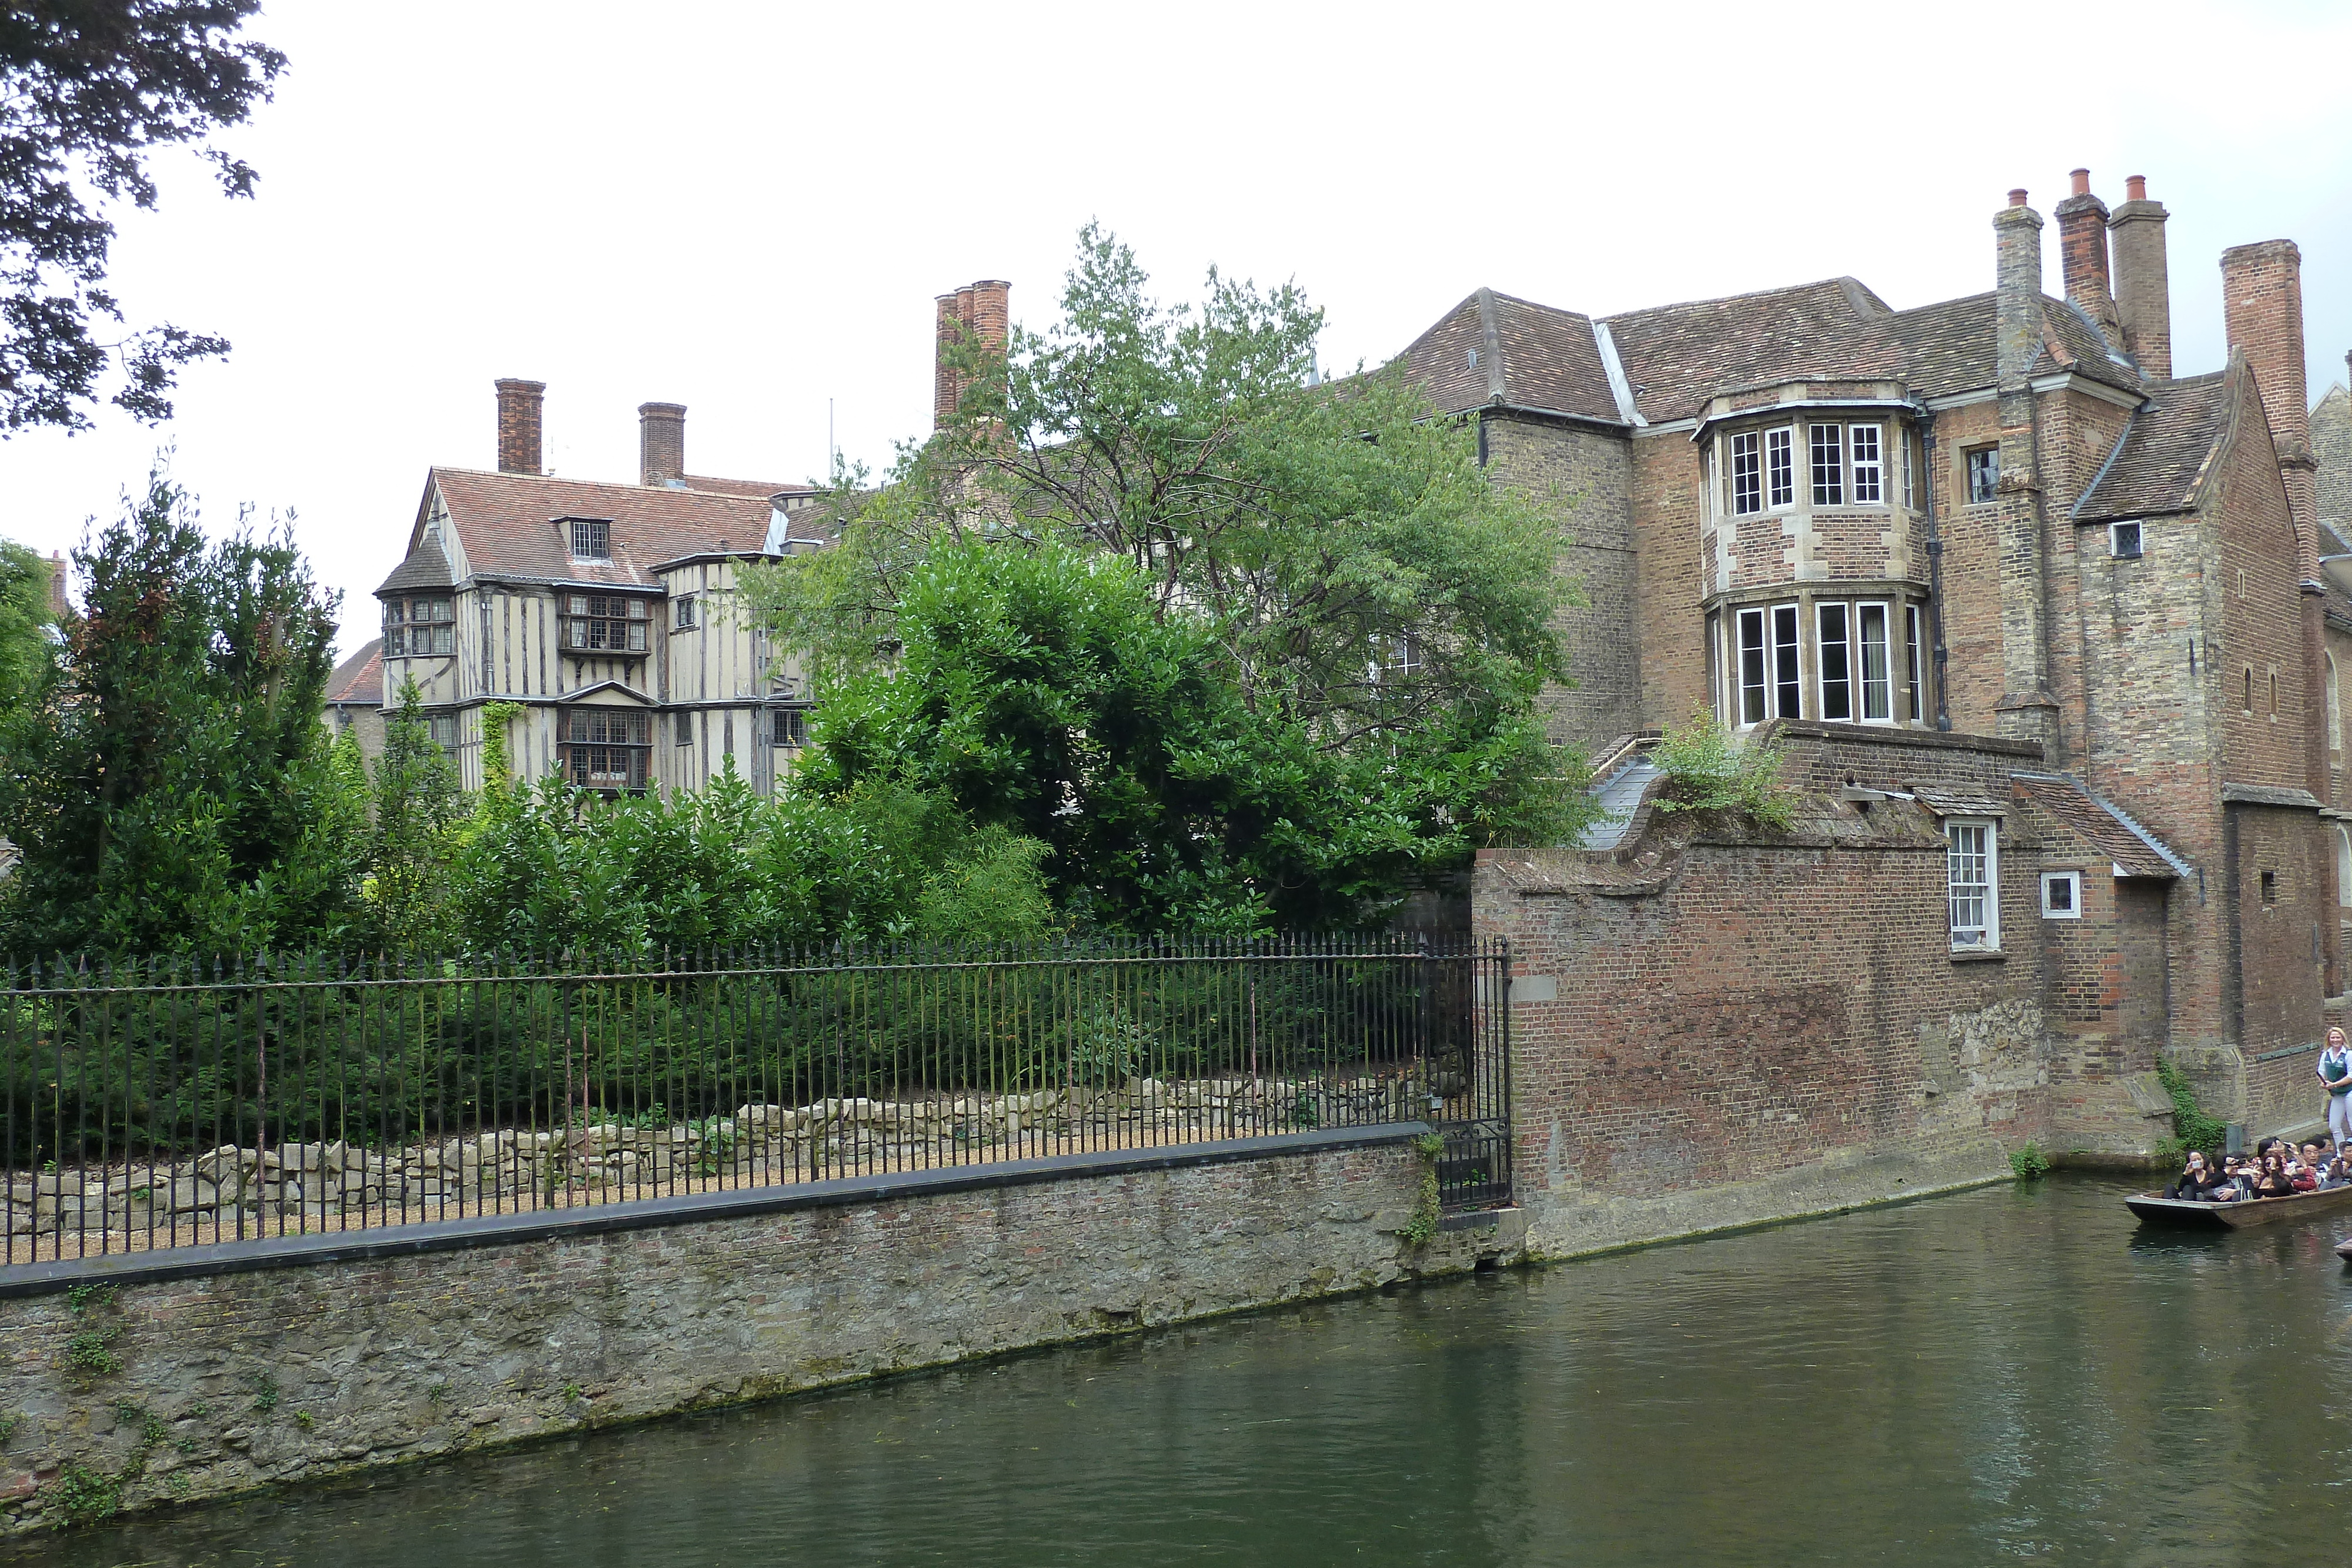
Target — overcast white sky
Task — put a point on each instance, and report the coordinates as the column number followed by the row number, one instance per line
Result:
column 747, row 208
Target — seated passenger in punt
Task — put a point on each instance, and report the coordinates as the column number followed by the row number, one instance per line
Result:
column 2276, row 1170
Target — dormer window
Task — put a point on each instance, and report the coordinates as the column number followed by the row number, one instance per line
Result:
column 592, row 539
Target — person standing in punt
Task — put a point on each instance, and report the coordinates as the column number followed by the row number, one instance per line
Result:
column 2335, row 1074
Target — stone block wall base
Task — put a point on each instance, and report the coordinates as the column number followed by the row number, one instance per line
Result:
column 145, row 1393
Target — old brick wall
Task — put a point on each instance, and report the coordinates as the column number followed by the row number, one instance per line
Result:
column 1580, row 475
column 1665, row 521
column 1971, row 573
column 2278, row 898
column 2264, row 718
column 230, row 1381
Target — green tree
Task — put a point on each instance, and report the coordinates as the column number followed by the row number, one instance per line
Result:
column 173, row 790
column 89, row 91
column 27, row 648
column 1379, row 611
column 418, row 807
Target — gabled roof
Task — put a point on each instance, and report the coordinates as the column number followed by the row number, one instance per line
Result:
column 507, row 524
column 2161, row 465
column 1493, row 348
column 2131, row 848
column 358, row 681
column 1677, row 356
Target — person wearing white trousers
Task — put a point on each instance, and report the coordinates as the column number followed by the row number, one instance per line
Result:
column 2335, row 1074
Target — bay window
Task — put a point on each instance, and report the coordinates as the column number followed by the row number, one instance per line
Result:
column 605, row 624
column 417, row 628
column 1770, row 682
column 1855, row 664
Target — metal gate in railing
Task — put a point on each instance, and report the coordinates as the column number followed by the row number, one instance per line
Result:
column 1469, row 1075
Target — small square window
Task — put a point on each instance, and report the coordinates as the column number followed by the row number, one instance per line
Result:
column 2062, row 895
column 681, row 616
column 2270, row 887
column 792, row 727
column 2123, row 541
column 1984, row 475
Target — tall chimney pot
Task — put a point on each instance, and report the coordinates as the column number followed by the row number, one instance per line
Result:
column 661, row 443
column 2017, row 238
column 2262, row 300
column 2142, row 284
column 518, row 426
column 2083, row 249
column 2017, row 197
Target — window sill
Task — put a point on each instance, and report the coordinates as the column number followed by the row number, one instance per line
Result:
column 1978, row 956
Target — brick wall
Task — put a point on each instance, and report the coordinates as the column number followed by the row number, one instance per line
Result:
column 1665, row 519
column 1580, row 475
column 1972, row 601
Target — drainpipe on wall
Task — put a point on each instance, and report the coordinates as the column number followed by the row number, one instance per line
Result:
column 1931, row 478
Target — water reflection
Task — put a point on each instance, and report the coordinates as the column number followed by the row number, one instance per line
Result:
column 2011, row 1372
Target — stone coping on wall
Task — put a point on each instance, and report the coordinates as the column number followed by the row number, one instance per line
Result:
column 505, row 1229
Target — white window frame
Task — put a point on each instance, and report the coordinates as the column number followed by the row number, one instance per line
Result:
column 2335, row 706
column 1831, row 692
column 1910, row 493
column 1915, row 679
column 1883, row 683
column 1745, row 472
column 1972, row 883
column 1717, row 685
column 1828, row 475
column 2116, row 536
column 1760, row 645
column 2071, row 881
column 580, row 534
column 1780, row 468
column 1866, row 477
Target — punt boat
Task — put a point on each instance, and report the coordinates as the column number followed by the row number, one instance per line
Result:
column 2154, row 1209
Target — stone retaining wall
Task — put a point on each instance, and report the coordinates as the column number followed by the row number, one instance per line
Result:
column 170, row 1376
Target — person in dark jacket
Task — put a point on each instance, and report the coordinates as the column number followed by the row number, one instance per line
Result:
column 2195, row 1180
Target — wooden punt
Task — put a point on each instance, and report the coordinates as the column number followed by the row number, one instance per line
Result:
column 2154, row 1208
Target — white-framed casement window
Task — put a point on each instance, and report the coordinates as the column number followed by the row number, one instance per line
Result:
column 1984, row 475
column 1780, row 466
column 1910, row 496
column 1866, row 454
column 1913, row 685
column 2123, row 541
column 592, row 539
column 1746, row 473
column 1972, row 863
column 1770, row 679
column 2334, row 709
column 1829, row 465
column 1716, row 684
column 2062, row 895
column 1856, row 661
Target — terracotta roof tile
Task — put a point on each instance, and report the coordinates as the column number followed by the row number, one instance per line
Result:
column 360, row 678
column 1678, row 356
column 1495, row 348
column 2101, row 824
column 2159, row 464
column 507, row 524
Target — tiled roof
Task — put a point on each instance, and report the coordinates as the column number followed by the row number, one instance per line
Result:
column 1493, row 347
column 2099, row 824
column 1951, row 346
column 360, row 678
column 761, row 488
column 508, row 524
column 2160, row 465
column 425, row 567
column 1678, row 356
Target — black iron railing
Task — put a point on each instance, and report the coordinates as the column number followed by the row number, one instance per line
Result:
column 169, row 1103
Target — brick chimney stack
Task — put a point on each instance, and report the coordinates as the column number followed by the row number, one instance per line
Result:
column 2017, row 233
column 2083, row 248
column 977, row 313
column 2143, row 287
column 661, row 443
column 518, row 426
column 2261, row 298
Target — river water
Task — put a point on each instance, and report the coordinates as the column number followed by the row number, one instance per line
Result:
column 2011, row 1372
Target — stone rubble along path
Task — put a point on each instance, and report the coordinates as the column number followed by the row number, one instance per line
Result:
column 236, row 1192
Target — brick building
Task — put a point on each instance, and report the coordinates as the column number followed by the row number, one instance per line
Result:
column 2049, row 636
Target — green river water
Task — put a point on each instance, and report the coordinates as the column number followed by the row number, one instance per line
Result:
column 2014, row 1373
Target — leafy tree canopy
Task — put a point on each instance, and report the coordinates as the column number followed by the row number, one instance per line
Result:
column 27, row 651
column 171, row 785
column 1331, row 561
column 89, row 91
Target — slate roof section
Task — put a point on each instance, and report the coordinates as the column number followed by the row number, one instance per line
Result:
column 2270, row 795
column 1678, row 356
column 1949, row 803
column 358, row 681
column 2127, row 845
column 2160, row 465
column 426, row 567
column 1493, row 347
column 508, row 524
column 759, row 489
